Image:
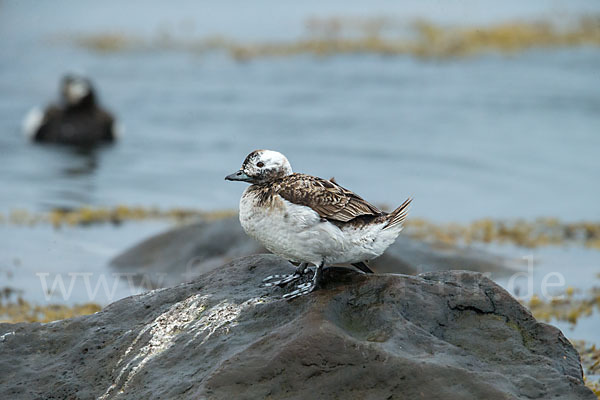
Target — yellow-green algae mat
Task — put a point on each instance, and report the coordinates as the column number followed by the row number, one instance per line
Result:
column 531, row 234
column 375, row 35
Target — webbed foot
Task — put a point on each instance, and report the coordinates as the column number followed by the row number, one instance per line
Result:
column 307, row 287
column 282, row 280
column 301, row 290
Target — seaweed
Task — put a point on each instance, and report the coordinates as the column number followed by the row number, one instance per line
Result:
column 376, row 35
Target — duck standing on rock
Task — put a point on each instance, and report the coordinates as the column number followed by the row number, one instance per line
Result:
column 310, row 220
column 76, row 120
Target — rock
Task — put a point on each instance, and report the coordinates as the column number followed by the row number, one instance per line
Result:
column 450, row 335
column 410, row 256
column 187, row 252
column 181, row 254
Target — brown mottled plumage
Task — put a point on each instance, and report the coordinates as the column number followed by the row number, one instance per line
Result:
column 330, row 200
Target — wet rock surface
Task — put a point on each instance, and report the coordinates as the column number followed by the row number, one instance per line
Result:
column 451, row 335
column 184, row 253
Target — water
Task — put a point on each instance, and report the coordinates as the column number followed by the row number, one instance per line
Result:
column 69, row 266
column 549, row 272
column 489, row 136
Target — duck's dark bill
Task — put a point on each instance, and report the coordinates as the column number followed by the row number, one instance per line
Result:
column 238, row 176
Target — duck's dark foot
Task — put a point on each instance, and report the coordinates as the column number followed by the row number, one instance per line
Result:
column 285, row 279
column 306, row 288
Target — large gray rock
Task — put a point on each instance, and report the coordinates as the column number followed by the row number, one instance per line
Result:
column 184, row 253
column 450, row 335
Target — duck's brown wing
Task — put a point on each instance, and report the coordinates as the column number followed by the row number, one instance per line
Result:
column 328, row 199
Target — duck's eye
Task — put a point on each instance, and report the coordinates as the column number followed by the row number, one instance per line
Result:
column 260, row 164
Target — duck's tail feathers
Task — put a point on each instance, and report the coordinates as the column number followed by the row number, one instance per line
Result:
column 363, row 267
column 396, row 218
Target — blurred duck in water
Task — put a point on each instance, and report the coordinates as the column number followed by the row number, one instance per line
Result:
column 76, row 120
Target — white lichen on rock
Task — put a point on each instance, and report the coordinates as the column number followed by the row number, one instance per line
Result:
column 162, row 331
column 193, row 315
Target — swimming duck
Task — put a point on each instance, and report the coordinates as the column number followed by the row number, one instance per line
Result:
column 77, row 119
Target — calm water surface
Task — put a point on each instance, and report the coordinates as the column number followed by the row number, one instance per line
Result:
column 501, row 136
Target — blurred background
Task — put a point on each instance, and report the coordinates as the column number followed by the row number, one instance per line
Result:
column 490, row 131
column 477, row 109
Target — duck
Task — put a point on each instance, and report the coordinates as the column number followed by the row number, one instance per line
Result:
column 76, row 119
column 310, row 220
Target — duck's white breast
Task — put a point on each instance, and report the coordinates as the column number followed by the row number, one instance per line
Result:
column 298, row 233
column 289, row 230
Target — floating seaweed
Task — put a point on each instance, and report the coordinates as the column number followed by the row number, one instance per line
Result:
column 378, row 35
column 530, row 234
column 23, row 311
column 590, row 361
column 115, row 215
column 567, row 307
